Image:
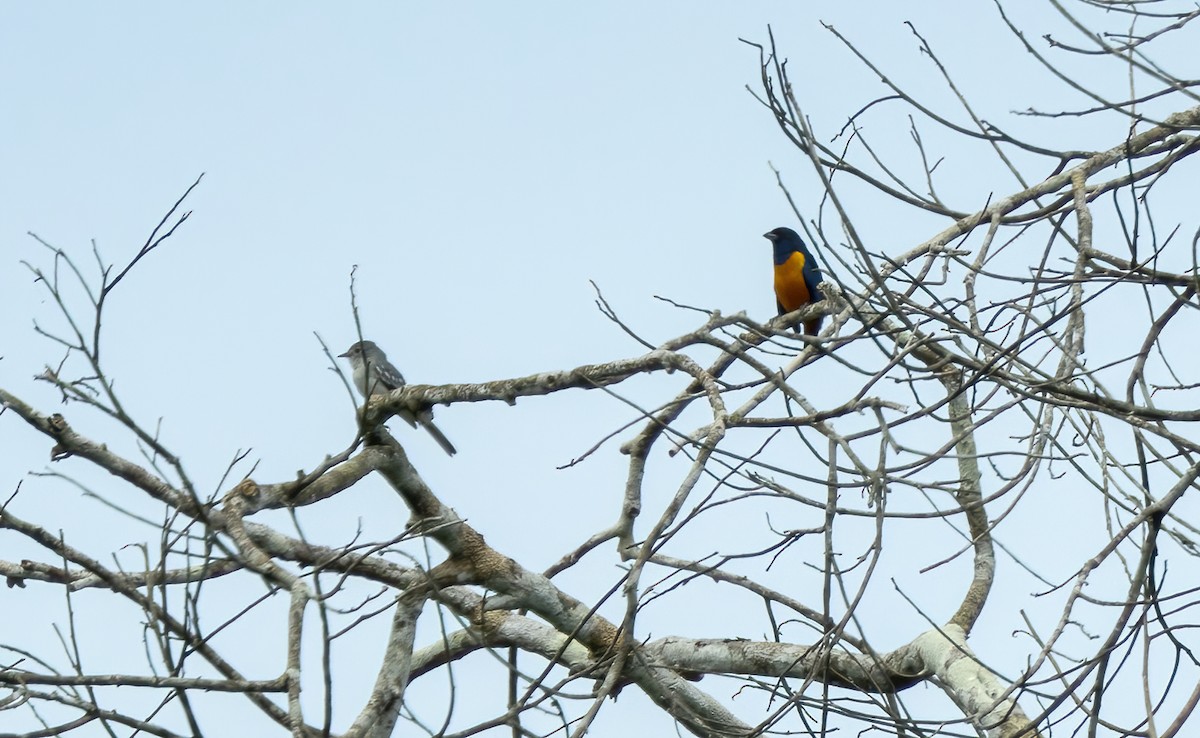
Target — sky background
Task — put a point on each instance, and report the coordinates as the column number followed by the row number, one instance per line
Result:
column 480, row 164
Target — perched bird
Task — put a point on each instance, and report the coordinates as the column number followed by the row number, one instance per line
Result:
column 373, row 374
column 796, row 276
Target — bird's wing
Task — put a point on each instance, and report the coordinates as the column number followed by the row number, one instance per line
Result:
column 389, row 376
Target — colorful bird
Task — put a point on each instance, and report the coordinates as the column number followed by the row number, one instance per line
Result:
column 796, row 276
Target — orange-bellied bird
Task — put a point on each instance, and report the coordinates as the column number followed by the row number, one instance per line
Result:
column 796, row 276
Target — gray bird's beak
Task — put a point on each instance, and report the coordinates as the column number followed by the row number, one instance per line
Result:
column 345, row 355
column 769, row 236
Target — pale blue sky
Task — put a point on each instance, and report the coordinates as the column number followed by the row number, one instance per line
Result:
column 479, row 162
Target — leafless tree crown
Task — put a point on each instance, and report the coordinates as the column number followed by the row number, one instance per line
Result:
column 994, row 437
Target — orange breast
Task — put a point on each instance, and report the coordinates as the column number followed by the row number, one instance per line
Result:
column 790, row 289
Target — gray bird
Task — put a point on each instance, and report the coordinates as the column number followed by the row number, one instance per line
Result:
column 373, row 374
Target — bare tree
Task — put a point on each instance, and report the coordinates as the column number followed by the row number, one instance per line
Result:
column 957, row 403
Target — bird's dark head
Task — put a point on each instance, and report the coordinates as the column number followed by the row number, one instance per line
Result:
column 786, row 242
column 786, row 235
column 357, row 349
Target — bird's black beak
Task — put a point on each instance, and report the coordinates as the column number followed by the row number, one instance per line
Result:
column 769, row 236
column 345, row 355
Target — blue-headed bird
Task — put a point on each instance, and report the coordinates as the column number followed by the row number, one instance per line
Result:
column 796, row 276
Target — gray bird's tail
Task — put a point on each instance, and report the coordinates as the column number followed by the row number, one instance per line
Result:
column 442, row 441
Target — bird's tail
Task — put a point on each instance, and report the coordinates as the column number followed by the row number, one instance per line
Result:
column 442, row 441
